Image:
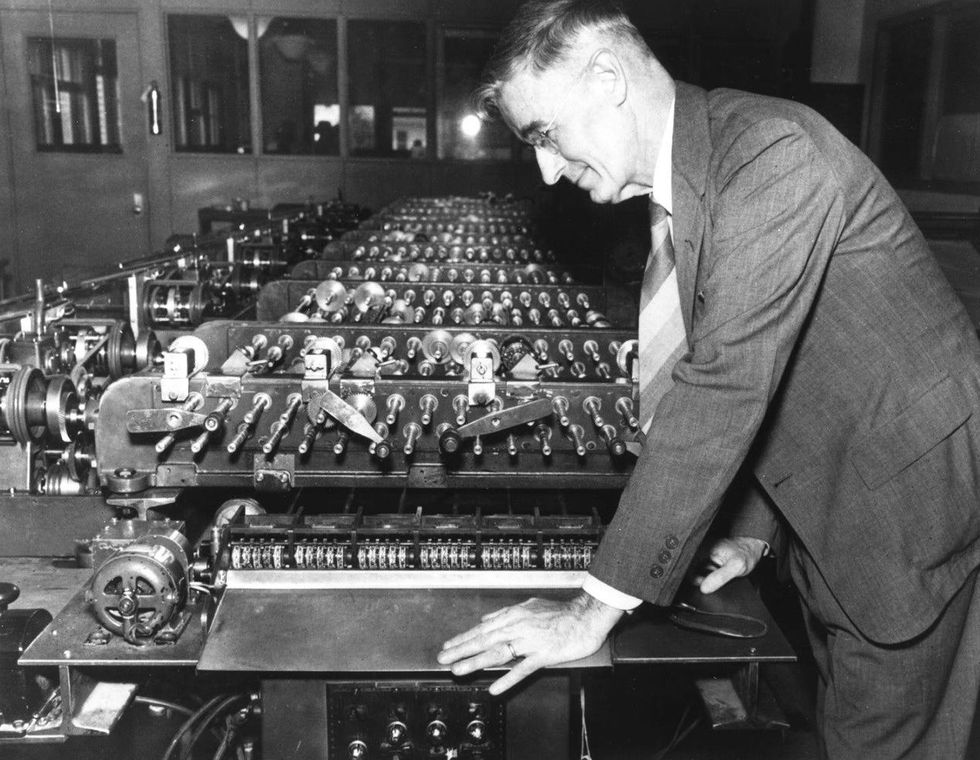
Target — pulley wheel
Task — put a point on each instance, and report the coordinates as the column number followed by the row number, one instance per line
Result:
column 148, row 349
column 198, row 302
column 126, row 480
column 23, row 405
column 120, row 350
column 60, row 397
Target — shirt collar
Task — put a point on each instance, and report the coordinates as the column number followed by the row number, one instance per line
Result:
column 661, row 192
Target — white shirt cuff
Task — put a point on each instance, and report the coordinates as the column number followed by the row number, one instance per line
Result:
column 608, row 595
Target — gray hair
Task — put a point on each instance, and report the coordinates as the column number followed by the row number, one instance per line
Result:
column 540, row 36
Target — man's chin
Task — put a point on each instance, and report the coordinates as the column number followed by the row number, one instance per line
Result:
column 598, row 195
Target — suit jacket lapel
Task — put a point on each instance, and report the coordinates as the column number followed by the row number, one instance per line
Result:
column 691, row 153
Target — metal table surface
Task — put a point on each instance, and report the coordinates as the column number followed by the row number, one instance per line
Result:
column 364, row 630
column 63, row 643
column 649, row 637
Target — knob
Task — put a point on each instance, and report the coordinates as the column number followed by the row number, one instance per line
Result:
column 615, row 444
column 411, row 431
column 260, row 402
column 450, row 442
column 566, row 349
column 592, row 405
column 280, row 427
column 428, row 404
column 625, row 408
column 311, row 432
column 8, row 595
column 395, row 733
column 477, row 731
column 341, row 444
column 543, row 433
column 560, row 406
column 436, row 732
column 591, row 348
column 214, row 422
column 461, row 405
column 394, row 404
column 577, row 434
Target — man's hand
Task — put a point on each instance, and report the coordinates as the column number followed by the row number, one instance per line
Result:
column 537, row 633
column 731, row 558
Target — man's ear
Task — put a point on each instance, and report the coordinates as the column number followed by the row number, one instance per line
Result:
column 607, row 67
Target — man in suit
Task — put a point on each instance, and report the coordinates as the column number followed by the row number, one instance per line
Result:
column 822, row 357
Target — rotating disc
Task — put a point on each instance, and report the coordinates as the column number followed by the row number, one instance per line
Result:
column 627, row 354
column 460, row 346
column 368, row 295
column 58, row 400
column 148, row 349
column 331, row 296
column 418, row 272
column 120, row 350
column 23, row 405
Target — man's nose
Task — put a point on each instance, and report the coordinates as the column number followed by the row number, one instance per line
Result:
column 550, row 164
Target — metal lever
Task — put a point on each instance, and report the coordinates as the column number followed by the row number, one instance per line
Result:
column 506, row 418
column 162, row 420
column 347, row 415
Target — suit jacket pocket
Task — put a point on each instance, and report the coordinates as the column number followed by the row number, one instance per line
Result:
column 890, row 448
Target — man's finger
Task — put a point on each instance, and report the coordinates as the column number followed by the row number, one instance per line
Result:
column 486, row 628
column 720, row 577
column 501, row 613
column 494, row 639
column 486, row 658
column 515, row 675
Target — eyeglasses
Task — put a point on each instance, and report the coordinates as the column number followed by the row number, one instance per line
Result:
column 541, row 139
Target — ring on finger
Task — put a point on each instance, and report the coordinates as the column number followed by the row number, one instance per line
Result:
column 513, row 652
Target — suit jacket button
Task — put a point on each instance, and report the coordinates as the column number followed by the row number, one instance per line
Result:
column 656, row 571
column 672, row 542
column 665, row 556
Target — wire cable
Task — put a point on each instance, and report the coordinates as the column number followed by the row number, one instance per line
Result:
column 213, row 713
column 172, row 706
column 188, row 724
column 585, row 751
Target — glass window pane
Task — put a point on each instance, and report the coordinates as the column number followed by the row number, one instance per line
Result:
column 387, row 88
column 75, row 94
column 461, row 134
column 907, row 70
column 209, row 81
column 298, row 84
column 956, row 147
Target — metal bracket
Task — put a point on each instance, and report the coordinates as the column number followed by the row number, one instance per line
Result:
column 277, row 475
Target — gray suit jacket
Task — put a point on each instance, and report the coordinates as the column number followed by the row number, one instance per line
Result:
column 827, row 353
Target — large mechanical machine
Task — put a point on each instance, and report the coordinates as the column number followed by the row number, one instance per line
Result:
column 429, row 419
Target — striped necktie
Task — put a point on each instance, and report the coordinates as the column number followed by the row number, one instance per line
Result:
column 662, row 337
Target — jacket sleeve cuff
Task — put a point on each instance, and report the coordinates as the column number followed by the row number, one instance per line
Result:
column 608, row 595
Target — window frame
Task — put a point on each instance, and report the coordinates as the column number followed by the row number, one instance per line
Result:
column 435, row 30
column 89, row 89
column 942, row 18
